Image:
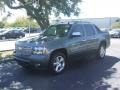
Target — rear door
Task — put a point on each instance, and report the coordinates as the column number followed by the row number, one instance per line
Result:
column 92, row 40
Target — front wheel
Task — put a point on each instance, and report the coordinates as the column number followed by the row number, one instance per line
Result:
column 101, row 52
column 57, row 63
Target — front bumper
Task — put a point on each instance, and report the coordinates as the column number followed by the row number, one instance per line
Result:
column 34, row 60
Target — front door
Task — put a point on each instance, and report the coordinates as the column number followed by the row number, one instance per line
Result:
column 77, row 44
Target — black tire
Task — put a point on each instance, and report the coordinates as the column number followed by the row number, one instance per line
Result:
column 57, row 60
column 101, row 51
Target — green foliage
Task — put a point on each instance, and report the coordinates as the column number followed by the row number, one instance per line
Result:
column 118, row 20
column 6, row 54
column 1, row 24
column 22, row 22
column 40, row 10
column 116, row 24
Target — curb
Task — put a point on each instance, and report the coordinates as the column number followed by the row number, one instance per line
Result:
column 7, row 40
column 7, row 50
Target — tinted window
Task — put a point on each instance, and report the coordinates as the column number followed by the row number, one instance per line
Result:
column 16, row 31
column 57, row 30
column 89, row 30
column 78, row 28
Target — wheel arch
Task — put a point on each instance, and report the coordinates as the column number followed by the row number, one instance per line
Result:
column 61, row 50
column 103, row 43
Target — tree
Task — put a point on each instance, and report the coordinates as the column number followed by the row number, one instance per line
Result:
column 41, row 9
column 1, row 5
column 23, row 22
column 116, row 24
column 1, row 24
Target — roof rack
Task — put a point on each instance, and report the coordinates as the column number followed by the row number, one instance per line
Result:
column 73, row 22
column 77, row 22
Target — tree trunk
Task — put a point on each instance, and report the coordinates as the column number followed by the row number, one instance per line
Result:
column 43, row 23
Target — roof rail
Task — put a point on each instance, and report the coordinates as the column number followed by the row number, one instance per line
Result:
column 77, row 22
column 72, row 22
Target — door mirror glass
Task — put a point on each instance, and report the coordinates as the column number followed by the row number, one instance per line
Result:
column 76, row 34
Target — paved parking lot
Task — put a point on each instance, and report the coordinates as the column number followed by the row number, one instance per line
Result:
column 90, row 74
column 9, row 44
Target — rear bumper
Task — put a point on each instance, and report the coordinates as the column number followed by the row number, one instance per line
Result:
column 34, row 60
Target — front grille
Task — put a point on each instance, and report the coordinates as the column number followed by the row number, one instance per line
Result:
column 23, row 50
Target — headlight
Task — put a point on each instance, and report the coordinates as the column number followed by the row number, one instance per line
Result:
column 40, row 50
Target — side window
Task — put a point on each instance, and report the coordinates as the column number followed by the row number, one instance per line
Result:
column 16, row 31
column 89, row 30
column 78, row 28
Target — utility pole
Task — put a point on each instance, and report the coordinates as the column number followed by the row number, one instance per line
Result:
column 29, row 29
column 110, row 23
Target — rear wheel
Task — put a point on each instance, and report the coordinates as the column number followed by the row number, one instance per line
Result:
column 101, row 52
column 57, row 63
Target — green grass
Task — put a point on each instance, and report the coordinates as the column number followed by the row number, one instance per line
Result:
column 6, row 54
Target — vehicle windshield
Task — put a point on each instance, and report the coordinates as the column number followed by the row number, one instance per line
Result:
column 57, row 30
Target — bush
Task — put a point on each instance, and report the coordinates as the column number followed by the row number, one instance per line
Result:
column 2, row 25
column 6, row 55
column 116, row 24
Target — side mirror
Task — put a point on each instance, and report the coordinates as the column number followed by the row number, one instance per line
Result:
column 76, row 34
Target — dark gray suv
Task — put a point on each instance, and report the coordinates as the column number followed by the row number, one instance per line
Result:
column 55, row 47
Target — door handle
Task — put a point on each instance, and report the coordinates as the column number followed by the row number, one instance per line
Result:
column 84, row 40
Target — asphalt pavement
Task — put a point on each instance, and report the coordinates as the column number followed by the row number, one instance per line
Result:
column 86, row 74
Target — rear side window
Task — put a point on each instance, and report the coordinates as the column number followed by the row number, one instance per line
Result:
column 89, row 30
column 78, row 28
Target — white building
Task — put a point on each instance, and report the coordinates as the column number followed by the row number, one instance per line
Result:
column 100, row 22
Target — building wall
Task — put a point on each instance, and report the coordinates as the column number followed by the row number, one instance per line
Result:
column 100, row 22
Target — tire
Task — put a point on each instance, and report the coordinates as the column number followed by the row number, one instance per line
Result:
column 57, row 63
column 101, row 51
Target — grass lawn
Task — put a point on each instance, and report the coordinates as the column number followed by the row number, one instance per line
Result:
column 6, row 54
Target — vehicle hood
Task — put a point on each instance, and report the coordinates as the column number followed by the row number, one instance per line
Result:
column 36, row 41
